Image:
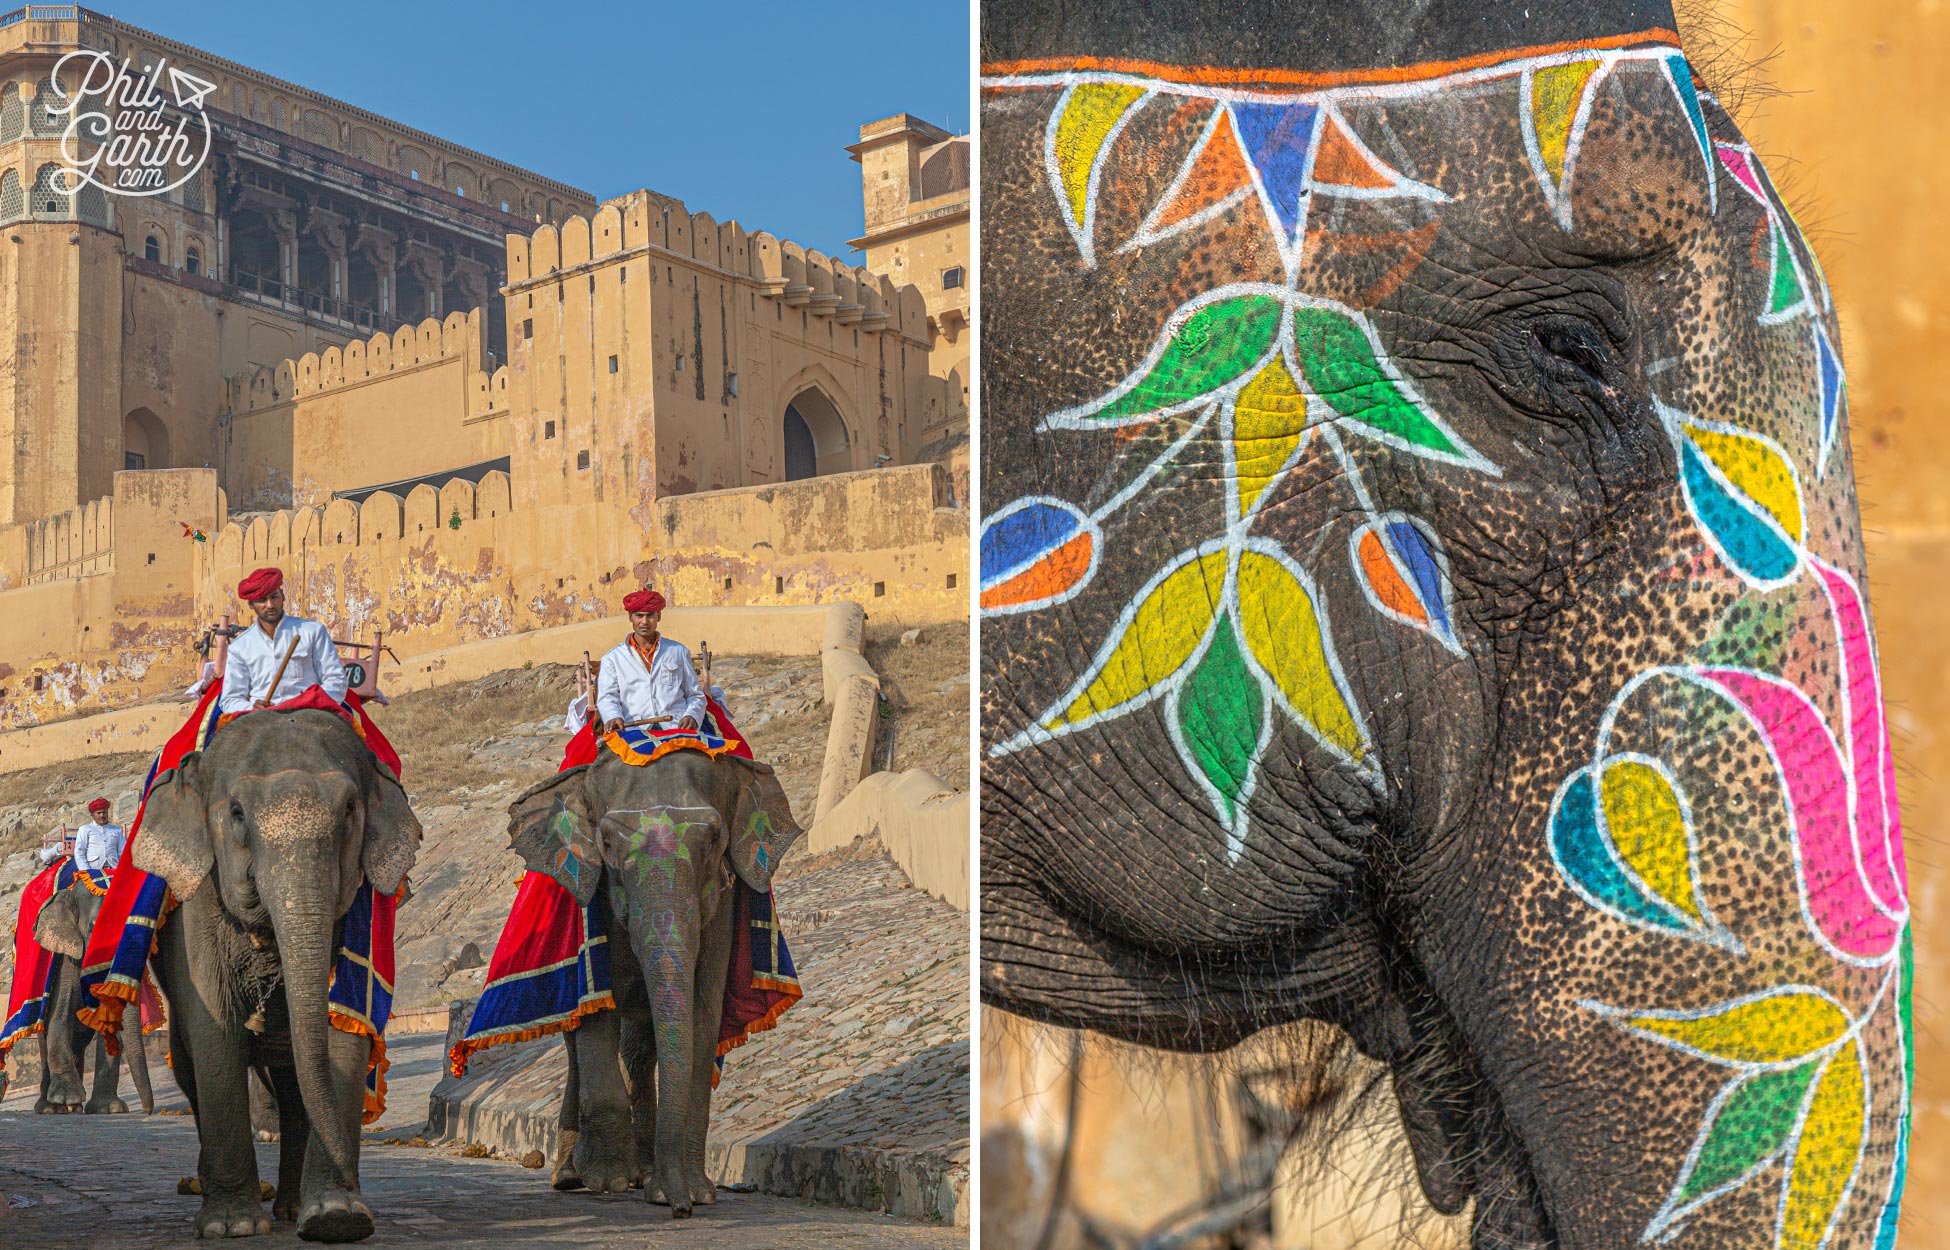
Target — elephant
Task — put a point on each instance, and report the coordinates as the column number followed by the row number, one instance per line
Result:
column 658, row 844
column 63, row 927
column 264, row 838
column 1423, row 593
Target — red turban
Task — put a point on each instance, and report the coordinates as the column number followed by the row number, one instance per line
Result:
column 260, row 585
column 100, row 805
column 643, row 601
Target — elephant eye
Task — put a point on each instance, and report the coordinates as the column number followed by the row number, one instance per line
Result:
column 237, row 811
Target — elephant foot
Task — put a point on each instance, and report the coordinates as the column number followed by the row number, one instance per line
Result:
column 285, row 1209
column 566, row 1177
column 113, row 1106
column 335, row 1215
column 704, row 1194
column 603, row 1180
column 227, row 1217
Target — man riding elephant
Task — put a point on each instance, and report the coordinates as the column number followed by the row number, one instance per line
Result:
column 280, row 656
column 1424, row 594
column 647, row 677
column 665, row 834
column 62, row 928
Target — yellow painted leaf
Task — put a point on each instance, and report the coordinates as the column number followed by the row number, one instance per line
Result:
column 1757, row 470
column 1156, row 635
column 1556, row 93
column 1772, row 1029
column 1090, row 112
column 1269, row 418
column 1288, row 640
column 1648, row 827
column 1827, row 1156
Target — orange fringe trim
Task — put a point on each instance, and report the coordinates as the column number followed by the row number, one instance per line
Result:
column 375, row 1101
column 465, row 1049
column 112, row 998
column 764, row 1024
column 89, row 881
column 630, row 755
column 8, row 1043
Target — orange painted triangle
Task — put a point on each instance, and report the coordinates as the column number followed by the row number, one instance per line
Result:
column 1339, row 163
column 1217, row 171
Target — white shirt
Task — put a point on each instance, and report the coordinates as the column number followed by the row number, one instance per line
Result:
column 254, row 659
column 627, row 691
column 98, row 846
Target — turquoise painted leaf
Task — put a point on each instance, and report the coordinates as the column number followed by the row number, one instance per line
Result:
column 1203, row 349
column 1582, row 850
column 1338, row 357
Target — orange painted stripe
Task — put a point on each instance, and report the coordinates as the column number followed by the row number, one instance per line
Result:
column 1216, row 76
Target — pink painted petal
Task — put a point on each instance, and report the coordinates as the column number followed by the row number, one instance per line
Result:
column 1738, row 165
column 1878, row 826
column 1839, row 906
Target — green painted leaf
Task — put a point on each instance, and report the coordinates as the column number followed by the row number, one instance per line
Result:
column 1221, row 713
column 1338, row 361
column 1212, row 348
column 1787, row 286
column 1752, row 1126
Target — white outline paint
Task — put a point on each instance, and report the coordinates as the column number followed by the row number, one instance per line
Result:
column 1400, row 186
column 1293, row 244
column 1038, row 730
column 1558, row 194
column 1086, row 524
column 1374, row 523
column 1150, row 232
column 1083, row 416
column 1702, row 138
column 1675, row 420
column 1084, row 232
column 1828, row 432
column 1699, row 678
column 1669, row 1215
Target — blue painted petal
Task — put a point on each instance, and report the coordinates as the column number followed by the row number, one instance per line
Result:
column 1013, row 541
column 1412, row 545
column 1583, row 854
column 1278, row 139
column 1831, row 386
column 1752, row 546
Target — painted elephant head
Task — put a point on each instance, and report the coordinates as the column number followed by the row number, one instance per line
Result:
column 646, row 823
column 285, row 815
column 1422, row 591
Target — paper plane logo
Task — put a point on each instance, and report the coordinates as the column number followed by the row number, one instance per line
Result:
column 124, row 132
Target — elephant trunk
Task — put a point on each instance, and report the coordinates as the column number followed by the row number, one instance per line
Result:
column 305, row 931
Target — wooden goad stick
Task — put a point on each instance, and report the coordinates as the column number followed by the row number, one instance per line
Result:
column 279, row 675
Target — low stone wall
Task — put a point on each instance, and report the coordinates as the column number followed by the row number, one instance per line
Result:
column 920, row 819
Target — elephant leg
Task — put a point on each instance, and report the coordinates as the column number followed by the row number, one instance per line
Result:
column 294, row 1135
column 640, row 1070
column 568, row 1126
column 266, row 1121
column 210, row 1068
column 331, row 1209
column 62, row 1047
column 135, row 1051
column 713, row 968
column 43, row 1105
column 605, row 1149
column 106, row 1097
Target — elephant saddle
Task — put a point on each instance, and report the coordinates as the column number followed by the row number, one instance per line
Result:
column 551, row 963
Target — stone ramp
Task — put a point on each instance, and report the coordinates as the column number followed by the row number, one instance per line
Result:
column 860, row 1096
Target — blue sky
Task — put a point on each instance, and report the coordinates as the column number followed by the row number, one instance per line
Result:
column 745, row 119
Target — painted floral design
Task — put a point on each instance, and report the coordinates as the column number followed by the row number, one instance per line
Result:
column 1231, row 638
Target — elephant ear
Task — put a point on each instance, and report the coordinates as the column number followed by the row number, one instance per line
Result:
column 174, row 840
column 762, row 827
column 392, row 832
column 58, row 927
column 553, row 827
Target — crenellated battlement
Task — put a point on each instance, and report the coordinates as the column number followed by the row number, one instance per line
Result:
column 74, row 543
column 779, row 269
column 459, row 335
column 380, row 518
